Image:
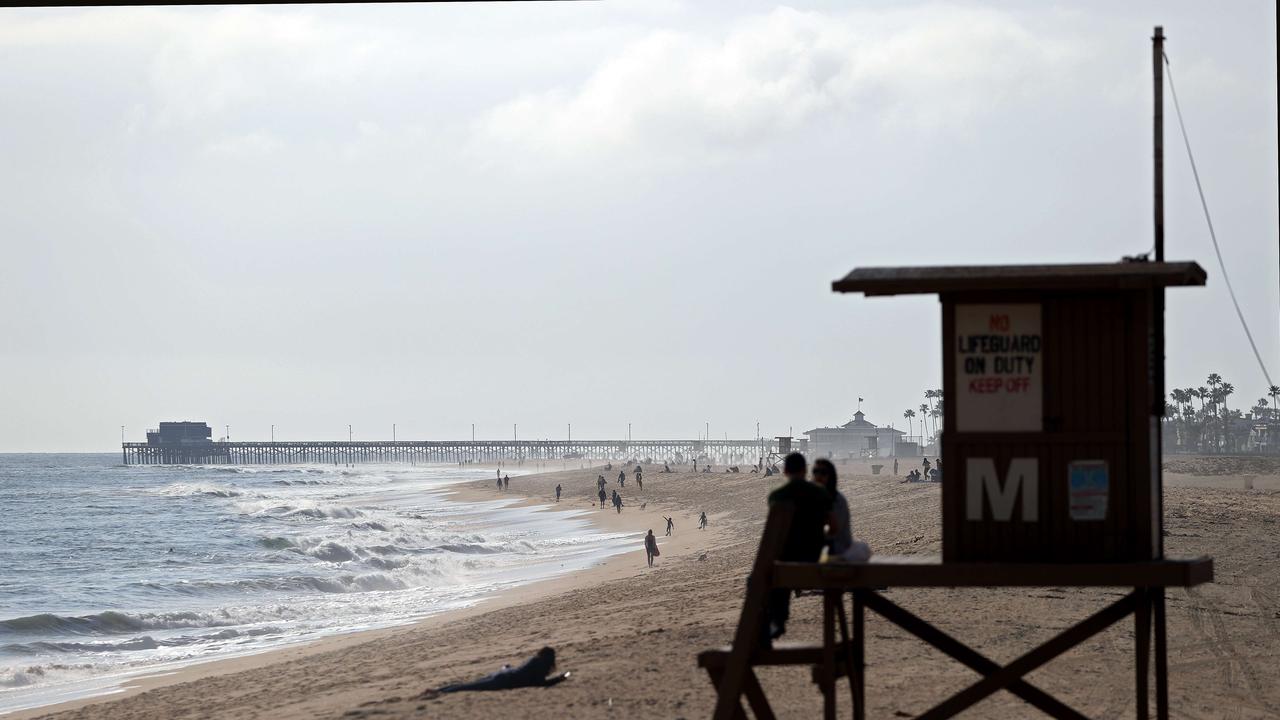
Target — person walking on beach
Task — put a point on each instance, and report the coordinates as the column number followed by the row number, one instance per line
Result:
column 895, row 467
column 622, row 478
column 926, row 468
column 638, row 474
column 671, row 525
column 499, row 484
column 639, row 482
column 506, row 482
column 557, row 492
column 602, row 497
column 650, row 547
column 617, row 502
column 702, row 520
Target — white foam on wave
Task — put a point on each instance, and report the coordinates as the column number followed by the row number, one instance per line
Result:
column 324, row 551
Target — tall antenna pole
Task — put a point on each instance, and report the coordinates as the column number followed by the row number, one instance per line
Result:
column 1157, row 76
column 1157, row 139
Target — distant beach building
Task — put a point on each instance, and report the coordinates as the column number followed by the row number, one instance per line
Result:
column 180, row 433
column 856, row 438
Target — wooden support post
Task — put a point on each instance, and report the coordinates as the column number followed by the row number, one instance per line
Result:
column 828, row 656
column 747, row 637
column 1162, row 655
column 717, row 677
column 849, row 654
column 1142, row 651
column 859, row 657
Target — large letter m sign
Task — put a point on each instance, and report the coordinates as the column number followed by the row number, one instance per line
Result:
column 981, row 480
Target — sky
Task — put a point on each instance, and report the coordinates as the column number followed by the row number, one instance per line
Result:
column 529, row 215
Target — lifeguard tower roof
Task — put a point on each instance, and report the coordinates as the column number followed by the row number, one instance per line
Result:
column 967, row 278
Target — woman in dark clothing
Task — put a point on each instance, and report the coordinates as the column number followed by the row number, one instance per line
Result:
column 651, row 547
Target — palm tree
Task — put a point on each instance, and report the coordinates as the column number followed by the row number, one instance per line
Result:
column 909, row 415
column 930, row 395
column 1179, row 397
column 1261, row 409
column 1225, row 389
column 924, row 419
column 1273, row 391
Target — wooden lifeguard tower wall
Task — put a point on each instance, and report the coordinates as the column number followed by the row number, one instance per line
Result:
column 1050, row 441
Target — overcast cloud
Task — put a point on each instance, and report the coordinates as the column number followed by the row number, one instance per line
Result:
column 601, row 213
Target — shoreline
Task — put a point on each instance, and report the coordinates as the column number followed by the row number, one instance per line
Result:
column 613, row 567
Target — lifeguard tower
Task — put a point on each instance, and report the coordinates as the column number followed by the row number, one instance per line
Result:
column 1053, row 409
column 1052, row 478
column 1053, row 377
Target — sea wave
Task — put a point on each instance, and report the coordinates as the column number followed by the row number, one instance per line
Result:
column 143, row 642
column 347, row 583
column 207, row 489
column 274, row 507
column 40, row 674
column 471, row 548
column 109, row 622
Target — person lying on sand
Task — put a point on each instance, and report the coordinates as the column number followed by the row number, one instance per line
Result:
column 535, row 672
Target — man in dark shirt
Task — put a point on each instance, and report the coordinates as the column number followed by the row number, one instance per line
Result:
column 813, row 514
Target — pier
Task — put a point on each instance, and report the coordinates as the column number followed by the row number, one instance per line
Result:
column 205, row 452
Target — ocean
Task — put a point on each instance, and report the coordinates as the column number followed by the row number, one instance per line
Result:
column 109, row 572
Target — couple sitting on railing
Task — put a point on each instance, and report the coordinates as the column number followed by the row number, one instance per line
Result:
column 821, row 520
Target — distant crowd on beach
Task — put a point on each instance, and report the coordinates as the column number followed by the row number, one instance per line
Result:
column 823, row 519
column 925, row 473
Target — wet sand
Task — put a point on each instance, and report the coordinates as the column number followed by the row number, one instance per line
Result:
column 629, row 634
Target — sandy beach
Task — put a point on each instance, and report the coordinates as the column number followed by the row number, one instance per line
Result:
column 629, row 634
